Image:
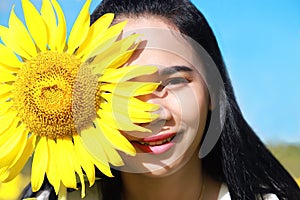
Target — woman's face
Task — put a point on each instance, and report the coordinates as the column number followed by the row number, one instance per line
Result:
column 182, row 96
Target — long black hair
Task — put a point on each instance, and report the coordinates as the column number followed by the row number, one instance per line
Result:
column 239, row 158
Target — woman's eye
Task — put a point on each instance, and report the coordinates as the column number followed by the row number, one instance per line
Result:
column 175, row 82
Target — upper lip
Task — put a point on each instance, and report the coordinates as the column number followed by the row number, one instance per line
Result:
column 154, row 138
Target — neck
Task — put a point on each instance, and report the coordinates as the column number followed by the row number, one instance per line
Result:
column 185, row 183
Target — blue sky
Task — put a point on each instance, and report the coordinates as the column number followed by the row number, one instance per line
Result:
column 260, row 42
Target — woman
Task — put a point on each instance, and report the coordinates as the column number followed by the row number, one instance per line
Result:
column 234, row 162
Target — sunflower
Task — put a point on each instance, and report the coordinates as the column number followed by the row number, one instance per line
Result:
column 66, row 101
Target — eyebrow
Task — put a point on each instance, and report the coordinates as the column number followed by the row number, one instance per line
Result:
column 173, row 69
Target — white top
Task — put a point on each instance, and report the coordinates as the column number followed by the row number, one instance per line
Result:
column 92, row 193
column 224, row 194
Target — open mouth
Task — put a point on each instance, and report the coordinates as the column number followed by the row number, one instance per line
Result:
column 157, row 143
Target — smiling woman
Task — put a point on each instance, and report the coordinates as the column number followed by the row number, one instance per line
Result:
column 199, row 146
column 182, row 95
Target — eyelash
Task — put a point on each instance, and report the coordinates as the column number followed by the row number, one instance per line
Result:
column 174, row 82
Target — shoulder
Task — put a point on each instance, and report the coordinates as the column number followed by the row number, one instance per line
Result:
column 224, row 194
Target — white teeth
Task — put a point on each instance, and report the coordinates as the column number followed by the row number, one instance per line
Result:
column 157, row 142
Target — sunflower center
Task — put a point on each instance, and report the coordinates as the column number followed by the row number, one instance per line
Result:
column 52, row 96
column 48, row 92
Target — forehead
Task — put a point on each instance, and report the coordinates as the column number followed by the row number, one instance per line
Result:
column 158, row 35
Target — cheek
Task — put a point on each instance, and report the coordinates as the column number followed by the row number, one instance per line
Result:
column 189, row 105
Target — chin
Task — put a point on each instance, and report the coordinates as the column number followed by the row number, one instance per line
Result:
column 160, row 172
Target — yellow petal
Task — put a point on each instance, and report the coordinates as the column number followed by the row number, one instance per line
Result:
column 121, row 107
column 121, row 59
column 84, row 160
column 5, row 76
column 21, row 36
column 110, row 151
column 35, row 24
column 16, row 169
column 109, row 119
column 48, row 14
column 16, row 154
column 64, row 162
column 61, row 30
column 94, row 146
column 81, row 177
column 141, row 112
column 4, row 89
column 12, row 146
column 3, row 173
column 39, row 164
column 76, row 163
column 106, row 55
column 9, row 68
column 13, row 40
column 3, row 29
column 142, row 117
column 127, row 115
column 116, row 138
column 126, row 73
column 113, row 156
column 5, row 136
column 7, row 120
column 4, row 107
column 101, row 44
column 8, row 58
column 135, row 103
column 130, row 88
column 97, row 30
column 5, row 98
column 53, row 172
column 80, row 28
column 122, row 121
column 62, row 194
column 104, row 168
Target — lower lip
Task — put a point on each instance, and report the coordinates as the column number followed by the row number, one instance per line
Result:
column 158, row 149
